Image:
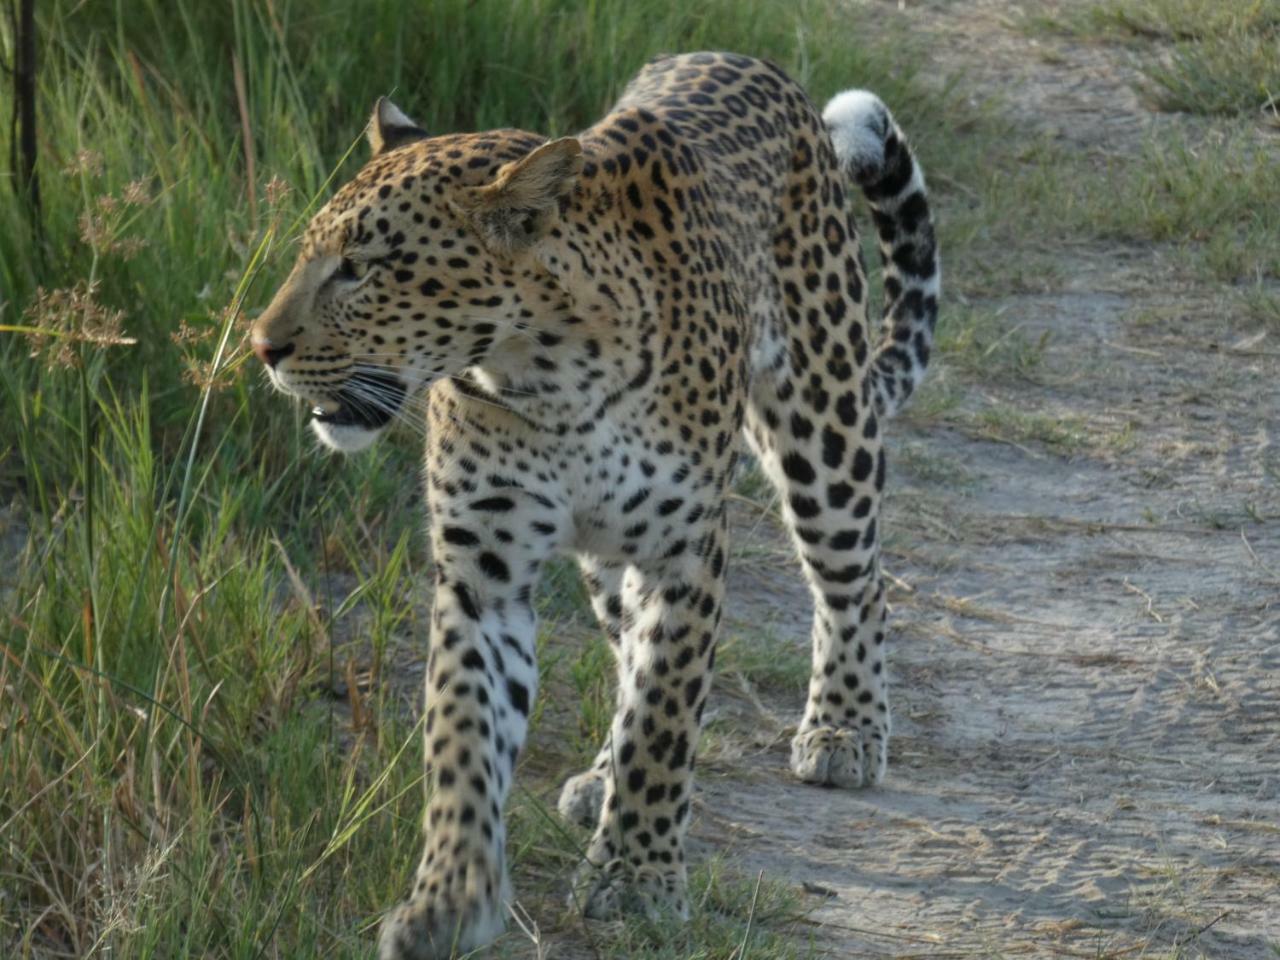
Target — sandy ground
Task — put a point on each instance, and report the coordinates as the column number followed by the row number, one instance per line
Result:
column 1087, row 648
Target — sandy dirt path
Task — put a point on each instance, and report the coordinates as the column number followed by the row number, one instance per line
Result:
column 1086, row 658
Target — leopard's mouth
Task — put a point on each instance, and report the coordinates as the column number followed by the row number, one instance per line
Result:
column 368, row 400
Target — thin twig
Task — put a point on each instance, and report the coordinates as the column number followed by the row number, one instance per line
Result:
column 741, row 952
column 1151, row 611
column 1194, row 934
column 1258, row 560
column 897, row 582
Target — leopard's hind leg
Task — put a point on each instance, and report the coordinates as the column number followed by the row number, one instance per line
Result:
column 583, row 793
column 828, row 467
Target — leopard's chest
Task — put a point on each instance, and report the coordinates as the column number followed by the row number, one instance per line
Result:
column 634, row 497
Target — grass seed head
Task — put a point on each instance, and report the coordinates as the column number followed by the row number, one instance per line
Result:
column 69, row 316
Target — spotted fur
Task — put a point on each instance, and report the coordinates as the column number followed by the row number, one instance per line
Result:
column 597, row 321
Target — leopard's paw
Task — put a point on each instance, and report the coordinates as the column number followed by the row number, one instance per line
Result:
column 606, row 891
column 840, row 756
column 451, row 912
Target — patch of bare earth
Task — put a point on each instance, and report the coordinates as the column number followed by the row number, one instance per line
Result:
column 1086, row 659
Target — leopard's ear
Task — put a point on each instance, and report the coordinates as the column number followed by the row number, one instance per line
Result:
column 523, row 202
column 390, row 127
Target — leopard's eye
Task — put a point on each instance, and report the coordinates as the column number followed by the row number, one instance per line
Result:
column 351, row 270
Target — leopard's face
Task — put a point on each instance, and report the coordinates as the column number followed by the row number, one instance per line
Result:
column 413, row 271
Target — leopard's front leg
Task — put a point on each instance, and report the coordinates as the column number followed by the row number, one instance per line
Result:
column 636, row 860
column 481, row 681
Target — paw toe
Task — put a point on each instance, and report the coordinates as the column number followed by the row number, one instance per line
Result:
column 876, row 758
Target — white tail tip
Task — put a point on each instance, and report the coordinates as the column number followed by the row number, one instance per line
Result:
column 859, row 122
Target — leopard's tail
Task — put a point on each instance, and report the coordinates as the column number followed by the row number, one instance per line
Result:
column 874, row 152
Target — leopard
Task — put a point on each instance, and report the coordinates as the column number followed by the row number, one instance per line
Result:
column 592, row 330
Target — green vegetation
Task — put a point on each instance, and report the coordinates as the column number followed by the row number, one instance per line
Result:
column 1263, row 306
column 1215, row 198
column 1063, row 434
column 763, row 660
column 1212, row 198
column 1221, row 193
column 1209, row 189
column 981, row 342
column 1210, row 57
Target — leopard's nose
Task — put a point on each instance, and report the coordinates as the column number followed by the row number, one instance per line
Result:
column 266, row 351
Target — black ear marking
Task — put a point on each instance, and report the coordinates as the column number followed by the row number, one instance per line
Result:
column 390, row 127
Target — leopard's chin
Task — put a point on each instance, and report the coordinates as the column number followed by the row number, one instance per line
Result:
column 344, row 437
column 358, row 411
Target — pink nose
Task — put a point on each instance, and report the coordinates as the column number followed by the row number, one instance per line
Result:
column 270, row 354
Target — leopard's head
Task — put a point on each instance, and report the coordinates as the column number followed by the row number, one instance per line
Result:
column 416, row 269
